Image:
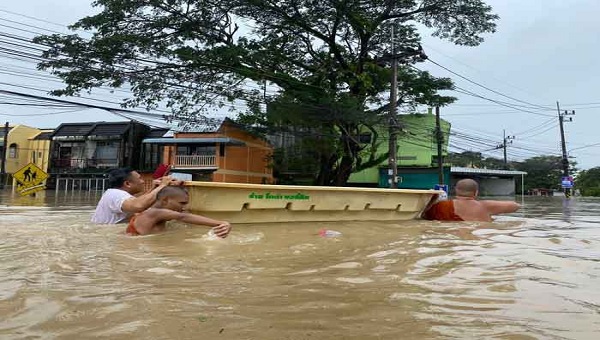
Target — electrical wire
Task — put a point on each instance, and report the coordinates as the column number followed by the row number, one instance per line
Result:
column 531, row 105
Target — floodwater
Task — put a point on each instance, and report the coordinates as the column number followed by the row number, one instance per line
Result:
column 532, row 275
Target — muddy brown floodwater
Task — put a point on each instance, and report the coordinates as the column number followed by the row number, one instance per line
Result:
column 531, row 275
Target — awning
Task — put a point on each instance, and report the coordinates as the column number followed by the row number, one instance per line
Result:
column 469, row 171
column 212, row 140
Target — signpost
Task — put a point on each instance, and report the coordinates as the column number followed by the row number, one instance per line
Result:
column 567, row 182
column 443, row 187
column 30, row 179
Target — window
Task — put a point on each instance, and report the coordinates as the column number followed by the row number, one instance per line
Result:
column 12, row 151
column 204, row 150
column 107, row 154
column 183, row 150
column 196, row 150
column 152, row 156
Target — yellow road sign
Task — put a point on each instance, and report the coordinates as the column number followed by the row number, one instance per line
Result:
column 31, row 190
column 29, row 176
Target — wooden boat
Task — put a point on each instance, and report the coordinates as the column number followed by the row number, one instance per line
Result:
column 256, row 203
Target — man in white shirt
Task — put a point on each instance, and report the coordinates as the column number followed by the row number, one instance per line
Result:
column 119, row 202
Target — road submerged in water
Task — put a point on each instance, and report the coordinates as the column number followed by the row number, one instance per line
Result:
column 531, row 275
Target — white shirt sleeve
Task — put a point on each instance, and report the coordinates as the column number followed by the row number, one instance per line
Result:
column 109, row 209
column 115, row 204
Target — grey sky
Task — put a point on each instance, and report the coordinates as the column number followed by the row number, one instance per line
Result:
column 544, row 51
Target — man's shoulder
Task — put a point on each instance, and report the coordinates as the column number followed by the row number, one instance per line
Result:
column 114, row 193
column 156, row 210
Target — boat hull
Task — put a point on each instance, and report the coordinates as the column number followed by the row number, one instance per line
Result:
column 256, row 203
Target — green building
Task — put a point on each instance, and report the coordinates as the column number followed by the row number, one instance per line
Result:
column 417, row 154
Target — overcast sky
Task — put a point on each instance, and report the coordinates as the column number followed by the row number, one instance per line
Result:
column 543, row 51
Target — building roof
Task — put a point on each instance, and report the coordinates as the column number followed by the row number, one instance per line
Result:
column 157, row 133
column 109, row 129
column 46, row 135
column 204, row 125
column 73, row 129
column 212, row 140
column 97, row 129
column 470, row 171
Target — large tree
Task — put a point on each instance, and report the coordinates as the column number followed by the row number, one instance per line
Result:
column 468, row 159
column 474, row 159
column 543, row 171
column 324, row 62
column 588, row 181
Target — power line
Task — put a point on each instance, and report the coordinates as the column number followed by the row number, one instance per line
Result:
column 30, row 17
column 541, row 132
column 477, row 70
column 585, row 146
column 487, row 88
column 41, row 114
column 467, row 92
column 524, row 132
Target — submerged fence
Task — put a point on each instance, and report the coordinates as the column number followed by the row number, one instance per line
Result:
column 67, row 184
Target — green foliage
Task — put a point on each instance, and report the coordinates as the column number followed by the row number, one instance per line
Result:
column 588, row 182
column 543, row 172
column 326, row 61
column 476, row 160
column 465, row 159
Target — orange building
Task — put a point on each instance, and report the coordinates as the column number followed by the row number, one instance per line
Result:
column 219, row 152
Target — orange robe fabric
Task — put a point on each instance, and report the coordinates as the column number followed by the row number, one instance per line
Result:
column 442, row 211
column 131, row 227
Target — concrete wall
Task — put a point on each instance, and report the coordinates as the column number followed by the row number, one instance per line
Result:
column 416, row 146
column 19, row 135
column 41, row 149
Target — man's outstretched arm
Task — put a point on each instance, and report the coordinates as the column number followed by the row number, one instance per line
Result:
column 501, row 207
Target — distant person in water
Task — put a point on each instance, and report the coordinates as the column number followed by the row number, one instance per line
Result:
column 170, row 204
column 466, row 207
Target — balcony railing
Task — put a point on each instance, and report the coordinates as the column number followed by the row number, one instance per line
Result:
column 195, row 161
column 83, row 163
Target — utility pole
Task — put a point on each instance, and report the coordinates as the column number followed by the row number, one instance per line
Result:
column 392, row 147
column 440, row 141
column 4, row 146
column 565, row 157
column 506, row 140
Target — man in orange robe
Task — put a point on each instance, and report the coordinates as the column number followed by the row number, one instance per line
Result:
column 466, row 207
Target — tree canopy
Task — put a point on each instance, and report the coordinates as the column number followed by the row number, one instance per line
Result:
column 588, row 182
column 543, row 171
column 324, row 63
column 472, row 159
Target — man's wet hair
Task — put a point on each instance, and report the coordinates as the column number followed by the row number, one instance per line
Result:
column 117, row 177
column 170, row 191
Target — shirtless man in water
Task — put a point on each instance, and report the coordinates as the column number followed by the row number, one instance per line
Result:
column 170, row 203
column 465, row 207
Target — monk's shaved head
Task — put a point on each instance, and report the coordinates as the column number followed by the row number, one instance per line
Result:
column 171, row 191
column 466, row 188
